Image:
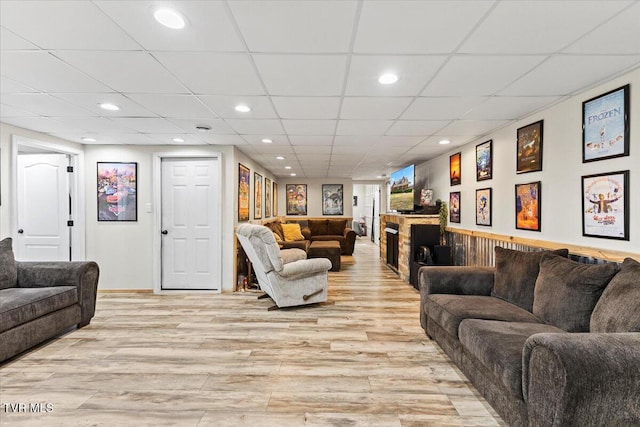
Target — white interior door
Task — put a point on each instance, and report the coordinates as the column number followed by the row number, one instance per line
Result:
column 191, row 239
column 43, row 208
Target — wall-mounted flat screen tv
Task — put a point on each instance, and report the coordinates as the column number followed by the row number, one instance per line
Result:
column 401, row 197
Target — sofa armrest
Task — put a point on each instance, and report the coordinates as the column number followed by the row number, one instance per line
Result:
column 83, row 275
column 456, row 280
column 582, row 379
column 305, row 268
column 306, row 233
column 350, row 238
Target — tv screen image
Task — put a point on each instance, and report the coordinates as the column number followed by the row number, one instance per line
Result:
column 401, row 197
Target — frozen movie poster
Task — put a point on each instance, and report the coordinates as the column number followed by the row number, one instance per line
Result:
column 605, row 133
column 483, row 206
column 332, row 200
column 117, row 199
column 605, row 205
column 454, row 207
column 528, row 206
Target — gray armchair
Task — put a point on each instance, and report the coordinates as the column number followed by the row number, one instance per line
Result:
column 289, row 280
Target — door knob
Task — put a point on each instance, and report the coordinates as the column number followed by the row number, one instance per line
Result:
column 20, row 231
column 164, row 232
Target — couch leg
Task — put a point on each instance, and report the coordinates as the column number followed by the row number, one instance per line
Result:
column 263, row 296
column 273, row 307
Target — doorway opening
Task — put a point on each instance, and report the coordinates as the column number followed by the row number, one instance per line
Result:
column 366, row 209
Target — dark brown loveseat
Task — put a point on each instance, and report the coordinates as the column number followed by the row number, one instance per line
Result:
column 333, row 229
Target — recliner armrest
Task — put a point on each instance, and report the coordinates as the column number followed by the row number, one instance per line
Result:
column 292, row 255
column 304, row 268
column 582, row 378
column 81, row 274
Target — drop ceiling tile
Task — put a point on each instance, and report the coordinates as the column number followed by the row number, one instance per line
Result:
column 313, row 158
column 38, row 124
column 522, row 27
column 564, row 75
column 300, row 26
column 173, row 106
column 381, row 107
column 135, row 72
column 506, row 107
column 42, row 71
column 302, row 75
column 441, row 108
column 89, row 102
column 471, row 127
column 255, row 126
column 64, row 25
column 416, row 127
column 11, row 86
column 222, row 139
column 208, row 25
column 363, row 127
column 164, row 138
column 309, row 127
column 312, row 149
column 619, row 35
column 416, row 27
column 11, row 41
column 377, row 140
column 273, row 151
column 224, row 106
column 310, row 139
column 93, row 125
column 479, row 75
column 413, row 74
column 218, row 127
column 11, row 111
column 315, row 108
column 257, row 139
column 148, row 125
column 213, row 73
column 44, row 105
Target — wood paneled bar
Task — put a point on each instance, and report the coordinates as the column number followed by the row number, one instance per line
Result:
column 404, row 237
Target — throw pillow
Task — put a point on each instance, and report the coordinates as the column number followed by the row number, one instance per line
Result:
column 516, row 274
column 617, row 308
column 336, row 227
column 567, row 291
column 277, row 236
column 8, row 269
column 292, row 232
column 318, row 227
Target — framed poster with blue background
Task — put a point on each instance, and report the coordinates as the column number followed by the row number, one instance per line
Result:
column 605, row 126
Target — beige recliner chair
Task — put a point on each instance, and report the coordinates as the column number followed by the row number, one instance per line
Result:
column 285, row 275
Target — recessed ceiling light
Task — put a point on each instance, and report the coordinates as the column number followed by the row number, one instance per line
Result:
column 109, row 106
column 203, row 128
column 280, row 157
column 170, row 18
column 87, row 139
column 444, row 142
column 388, row 79
column 267, row 141
column 287, row 167
column 292, row 174
column 178, row 140
column 242, row 108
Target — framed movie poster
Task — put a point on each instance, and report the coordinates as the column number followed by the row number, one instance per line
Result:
column 243, row 192
column 267, row 197
column 332, row 200
column 484, row 161
column 454, row 168
column 605, row 126
column 275, row 199
column 605, row 205
column 528, row 206
column 257, row 196
column 529, row 139
column 296, row 199
column 117, row 185
column 454, row 207
column 483, row 206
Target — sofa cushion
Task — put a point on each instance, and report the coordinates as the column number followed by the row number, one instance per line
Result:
column 498, row 347
column 276, row 227
column 617, row 309
column 318, row 227
column 21, row 305
column 516, row 274
column 8, row 269
column 336, row 226
column 292, row 232
column 449, row 310
column 567, row 291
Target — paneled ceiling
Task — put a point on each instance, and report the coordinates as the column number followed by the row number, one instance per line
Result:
column 309, row 72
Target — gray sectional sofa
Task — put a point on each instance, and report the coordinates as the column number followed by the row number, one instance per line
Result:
column 546, row 340
column 39, row 300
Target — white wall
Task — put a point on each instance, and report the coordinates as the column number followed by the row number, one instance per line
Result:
column 314, row 194
column 359, row 190
column 254, row 166
column 560, row 175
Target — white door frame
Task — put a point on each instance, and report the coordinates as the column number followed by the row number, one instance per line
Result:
column 157, row 214
column 77, row 188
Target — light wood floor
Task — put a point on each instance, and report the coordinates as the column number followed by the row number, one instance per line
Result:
column 224, row 360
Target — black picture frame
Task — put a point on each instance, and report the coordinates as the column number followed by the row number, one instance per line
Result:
column 454, row 207
column 529, row 140
column 332, row 199
column 296, row 199
column 599, row 218
column 605, row 125
column 484, row 161
column 244, row 189
column 455, row 169
column 257, row 196
column 484, row 206
column 528, row 206
column 116, row 191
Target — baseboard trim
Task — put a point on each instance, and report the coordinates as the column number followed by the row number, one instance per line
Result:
column 125, row 291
